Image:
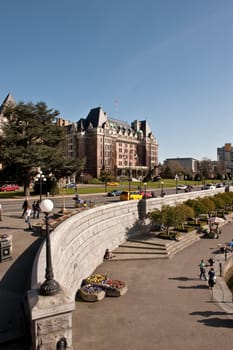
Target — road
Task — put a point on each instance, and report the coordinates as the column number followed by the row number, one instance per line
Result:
column 10, row 206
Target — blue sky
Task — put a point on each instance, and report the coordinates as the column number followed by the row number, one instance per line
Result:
column 167, row 61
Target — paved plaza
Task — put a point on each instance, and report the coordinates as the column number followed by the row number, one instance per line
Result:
column 166, row 306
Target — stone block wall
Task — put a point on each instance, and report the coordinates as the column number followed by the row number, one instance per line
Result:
column 79, row 243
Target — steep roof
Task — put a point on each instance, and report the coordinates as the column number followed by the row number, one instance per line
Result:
column 96, row 117
column 8, row 100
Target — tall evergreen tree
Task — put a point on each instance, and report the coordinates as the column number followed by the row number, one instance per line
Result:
column 30, row 140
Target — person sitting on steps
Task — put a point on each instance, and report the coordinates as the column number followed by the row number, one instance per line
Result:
column 108, row 254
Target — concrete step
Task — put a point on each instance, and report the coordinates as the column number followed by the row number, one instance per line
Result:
column 142, row 246
column 182, row 244
column 156, row 242
column 149, row 247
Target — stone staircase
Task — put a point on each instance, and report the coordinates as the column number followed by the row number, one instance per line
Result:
column 149, row 246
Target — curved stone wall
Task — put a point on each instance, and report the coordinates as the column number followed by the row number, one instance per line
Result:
column 78, row 246
column 79, row 243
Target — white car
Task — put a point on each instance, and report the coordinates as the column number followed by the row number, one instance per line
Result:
column 209, row 187
column 181, row 187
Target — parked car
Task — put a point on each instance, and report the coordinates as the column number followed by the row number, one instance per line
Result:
column 146, row 194
column 157, row 178
column 219, row 185
column 113, row 183
column 181, row 187
column 209, row 187
column 114, row 193
column 189, row 188
column 135, row 180
column 71, row 185
column 9, row 187
column 126, row 195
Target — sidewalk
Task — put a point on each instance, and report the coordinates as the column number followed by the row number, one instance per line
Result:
column 166, row 307
column 14, row 281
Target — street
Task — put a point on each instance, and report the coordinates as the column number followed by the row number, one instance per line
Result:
column 10, row 206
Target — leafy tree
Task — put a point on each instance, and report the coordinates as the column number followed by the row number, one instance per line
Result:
column 171, row 168
column 206, row 169
column 220, row 170
column 228, row 198
column 171, row 216
column 209, row 203
column 218, row 202
column 31, row 139
column 67, row 167
column 105, row 176
column 183, row 212
column 198, row 207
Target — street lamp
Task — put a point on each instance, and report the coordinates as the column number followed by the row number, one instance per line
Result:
column 176, row 178
column 162, row 183
column 62, row 185
column 40, row 177
column 105, row 186
column 126, row 160
column 49, row 287
column 145, row 194
column 129, row 178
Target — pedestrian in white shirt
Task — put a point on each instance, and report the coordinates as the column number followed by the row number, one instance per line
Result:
column 28, row 216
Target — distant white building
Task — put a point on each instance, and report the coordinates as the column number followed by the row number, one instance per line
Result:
column 189, row 164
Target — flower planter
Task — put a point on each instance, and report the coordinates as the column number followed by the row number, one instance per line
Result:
column 91, row 293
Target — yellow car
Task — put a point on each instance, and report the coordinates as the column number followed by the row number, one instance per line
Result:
column 126, row 195
column 112, row 183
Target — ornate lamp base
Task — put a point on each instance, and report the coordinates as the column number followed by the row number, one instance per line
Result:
column 49, row 288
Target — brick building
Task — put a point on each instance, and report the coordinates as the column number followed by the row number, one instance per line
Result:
column 119, row 148
column 225, row 155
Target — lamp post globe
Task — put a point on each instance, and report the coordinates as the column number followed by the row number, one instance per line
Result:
column 49, row 287
column 46, row 206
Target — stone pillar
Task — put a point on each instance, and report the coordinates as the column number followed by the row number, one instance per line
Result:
column 142, row 209
column 51, row 319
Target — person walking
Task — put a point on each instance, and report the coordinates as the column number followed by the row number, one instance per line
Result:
column 34, row 209
column 211, row 261
column 202, row 270
column 37, row 207
column 28, row 217
column 212, row 278
column 25, row 206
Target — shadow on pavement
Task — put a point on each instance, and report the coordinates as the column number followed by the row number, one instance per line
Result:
column 197, row 286
column 183, row 278
column 18, row 276
column 13, row 288
column 209, row 313
column 217, row 322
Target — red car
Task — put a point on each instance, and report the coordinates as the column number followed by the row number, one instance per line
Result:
column 11, row 187
column 146, row 194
